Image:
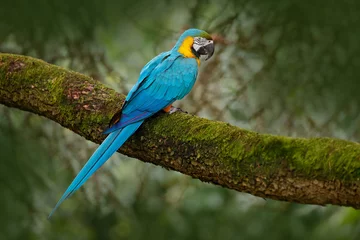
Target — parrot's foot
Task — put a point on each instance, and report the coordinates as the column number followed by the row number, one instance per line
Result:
column 175, row 109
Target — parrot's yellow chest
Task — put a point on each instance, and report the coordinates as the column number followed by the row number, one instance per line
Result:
column 185, row 49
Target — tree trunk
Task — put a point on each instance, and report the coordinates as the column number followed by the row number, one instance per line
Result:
column 312, row 171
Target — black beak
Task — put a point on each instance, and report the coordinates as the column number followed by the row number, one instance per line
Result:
column 208, row 49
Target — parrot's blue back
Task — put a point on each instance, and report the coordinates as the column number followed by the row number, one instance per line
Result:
column 166, row 78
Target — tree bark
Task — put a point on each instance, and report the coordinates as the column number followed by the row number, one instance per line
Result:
column 311, row 171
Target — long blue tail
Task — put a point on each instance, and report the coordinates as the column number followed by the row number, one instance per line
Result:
column 107, row 148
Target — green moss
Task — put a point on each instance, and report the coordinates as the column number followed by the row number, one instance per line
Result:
column 244, row 152
column 54, row 91
column 86, row 106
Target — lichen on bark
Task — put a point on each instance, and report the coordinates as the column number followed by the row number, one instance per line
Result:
column 315, row 171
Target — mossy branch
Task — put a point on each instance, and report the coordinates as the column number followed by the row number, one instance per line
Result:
column 313, row 171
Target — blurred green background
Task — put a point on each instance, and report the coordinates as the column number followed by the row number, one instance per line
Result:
column 286, row 67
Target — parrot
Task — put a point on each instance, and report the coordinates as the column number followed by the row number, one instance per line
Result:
column 166, row 78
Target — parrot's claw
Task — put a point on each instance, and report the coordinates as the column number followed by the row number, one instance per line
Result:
column 175, row 109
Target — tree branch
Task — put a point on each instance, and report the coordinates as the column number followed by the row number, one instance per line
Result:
column 313, row 171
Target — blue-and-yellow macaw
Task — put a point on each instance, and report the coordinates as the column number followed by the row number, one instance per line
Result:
column 166, row 78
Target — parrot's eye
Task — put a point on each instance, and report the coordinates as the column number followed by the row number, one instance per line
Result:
column 203, row 46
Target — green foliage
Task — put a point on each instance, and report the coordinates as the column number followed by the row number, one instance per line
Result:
column 289, row 68
column 21, row 182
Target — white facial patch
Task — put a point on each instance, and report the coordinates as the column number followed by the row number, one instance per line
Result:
column 199, row 42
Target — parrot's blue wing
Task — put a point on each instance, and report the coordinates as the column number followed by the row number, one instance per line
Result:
column 171, row 79
column 124, row 119
column 145, row 72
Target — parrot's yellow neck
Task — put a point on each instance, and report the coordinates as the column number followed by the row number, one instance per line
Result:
column 185, row 49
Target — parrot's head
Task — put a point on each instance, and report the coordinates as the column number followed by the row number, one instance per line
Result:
column 195, row 43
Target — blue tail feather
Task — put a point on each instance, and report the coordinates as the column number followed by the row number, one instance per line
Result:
column 107, row 148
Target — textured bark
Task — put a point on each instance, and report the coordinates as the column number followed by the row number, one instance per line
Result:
column 313, row 171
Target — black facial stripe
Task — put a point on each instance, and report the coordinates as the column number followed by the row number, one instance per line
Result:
column 195, row 52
